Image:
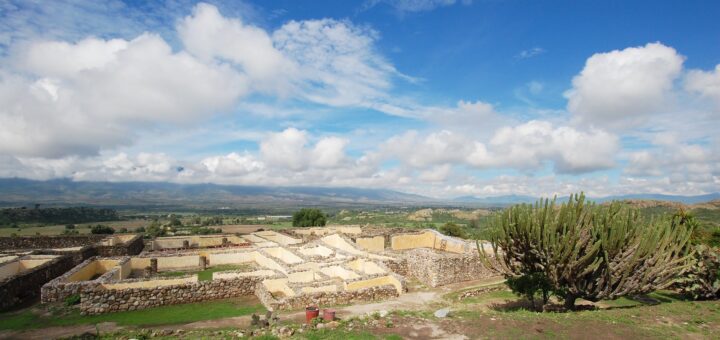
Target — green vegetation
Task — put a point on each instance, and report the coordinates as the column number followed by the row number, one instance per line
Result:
column 309, row 217
column 101, row 229
column 452, row 229
column 173, row 314
column 72, row 300
column 702, row 279
column 14, row 216
column 591, row 252
column 206, row 275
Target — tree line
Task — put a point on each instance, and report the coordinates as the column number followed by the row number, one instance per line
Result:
column 13, row 216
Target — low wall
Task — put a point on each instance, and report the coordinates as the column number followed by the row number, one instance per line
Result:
column 27, row 285
column 100, row 300
column 434, row 268
column 325, row 298
column 63, row 286
column 131, row 246
column 49, row 242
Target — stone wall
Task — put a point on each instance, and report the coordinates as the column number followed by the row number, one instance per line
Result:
column 100, row 300
column 27, row 285
column 132, row 246
column 78, row 256
column 325, row 298
column 49, row 242
column 435, row 268
column 60, row 288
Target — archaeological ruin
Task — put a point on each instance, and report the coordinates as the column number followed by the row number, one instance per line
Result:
column 285, row 270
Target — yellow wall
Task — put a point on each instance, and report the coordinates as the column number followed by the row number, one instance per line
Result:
column 178, row 262
column 266, row 262
column 284, row 255
column 376, row 243
column 229, row 258
column 316, row 251
column 139, row 263
column 277, row 237
column 304, row 276
column 308, row 290
column 85, row 273
column 337, row 271
column 278, row 285
column 378, row 281
column 364, row 266
column 411, row 241
column 232, row 275
column 9, row 269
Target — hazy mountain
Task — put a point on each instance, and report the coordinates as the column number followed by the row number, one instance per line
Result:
column 14, row 191
column 515, row 199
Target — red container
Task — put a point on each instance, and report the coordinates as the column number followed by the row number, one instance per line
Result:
column 328, row 314
column 311, row 313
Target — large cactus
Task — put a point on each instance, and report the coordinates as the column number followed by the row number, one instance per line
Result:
column 589, row 251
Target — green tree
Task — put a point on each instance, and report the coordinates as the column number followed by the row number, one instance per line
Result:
column 701, row 281
column 102, row 229
column 588, row 251
column 452, row 229
column 309, row 217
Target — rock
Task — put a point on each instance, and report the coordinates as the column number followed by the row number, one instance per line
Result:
column 285, row 332
column 320, row 326
column 441, row 313
column 383, row 313
column 332, row 325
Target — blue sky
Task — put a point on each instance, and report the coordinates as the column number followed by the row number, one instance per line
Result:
column 437, row 97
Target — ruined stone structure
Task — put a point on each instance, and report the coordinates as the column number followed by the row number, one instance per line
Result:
column 337, row 265
column 30, row 262
column 22, row 276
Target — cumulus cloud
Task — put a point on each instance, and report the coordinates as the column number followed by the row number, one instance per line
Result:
column 80, row 98
column 706, row 84
column 526, row 146
column 622, row 88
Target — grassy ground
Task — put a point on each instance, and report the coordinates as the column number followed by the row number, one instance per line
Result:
column 206, row 275
column 41, row 317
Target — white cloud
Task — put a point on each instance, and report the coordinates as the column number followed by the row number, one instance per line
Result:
column 403, row 6
column 526, row 146
column 526, row 54
column 706, row 84
column 621, row 88
column 74, row 105
column 233, row 164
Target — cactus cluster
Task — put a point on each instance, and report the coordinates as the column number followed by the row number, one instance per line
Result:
column 590, row 251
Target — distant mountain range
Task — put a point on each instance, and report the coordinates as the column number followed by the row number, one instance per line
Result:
column 515, row 199
column 147, row 195
column 14, row 191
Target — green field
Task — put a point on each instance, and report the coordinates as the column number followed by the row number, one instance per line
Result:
column 41, row 317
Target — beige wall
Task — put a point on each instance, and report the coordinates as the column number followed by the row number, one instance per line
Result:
column 230, row 258
column 232, row 275
column 316, row 251
column 411, row 241
column 277, row 237
column 337, row 271
column 9, row 269
column 366, row 267
column 178, row 262
column 304, row 276
column 266, row 262
column 309, row 290
column 278, row 286
column 85, row 273
column 284, row 255
column 378, row 281
column 376, row 243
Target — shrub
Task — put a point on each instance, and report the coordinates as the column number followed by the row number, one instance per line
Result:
column 155, row 230
column 140, row 230
column 69, row 226
column 72, row 300
column 123, row 230
column 309, row 218
column 452, row 229
column 591, row 252
column 701, row 281
column 102, row 229
column 529, row 285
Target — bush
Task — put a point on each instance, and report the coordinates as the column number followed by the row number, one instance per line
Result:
column 70, row 232
column 72, row 300
column 309, row 218
column 452, row 229
column 69, row 226
column 102, row 229
column 155, row 230
column 123, row 230
column 529, row 285
column 701, row 281
column 591, row 252
column 140, row 230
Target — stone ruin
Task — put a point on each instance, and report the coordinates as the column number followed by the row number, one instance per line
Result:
column 309, row 266
column 27, row 263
